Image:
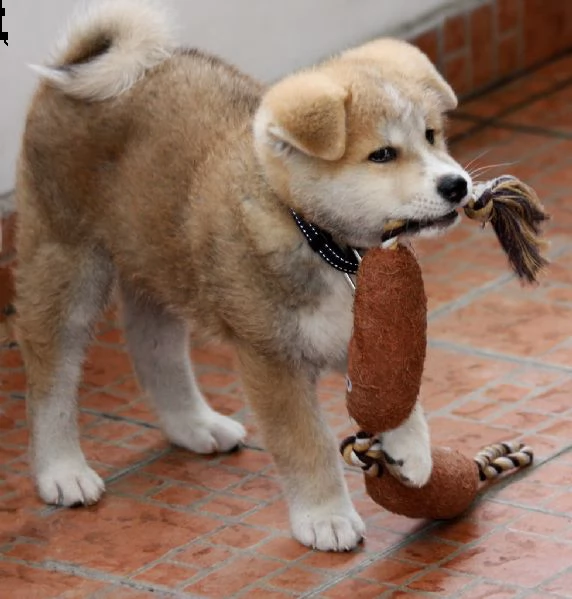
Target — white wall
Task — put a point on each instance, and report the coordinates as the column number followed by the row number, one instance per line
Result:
column 266, row 37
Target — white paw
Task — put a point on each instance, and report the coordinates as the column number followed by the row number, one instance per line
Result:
column 411, row 465
column 69, row 483
column 328, row 527
column 408, row 450
column 210, row 432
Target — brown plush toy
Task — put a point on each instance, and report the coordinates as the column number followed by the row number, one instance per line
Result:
column 387, row 355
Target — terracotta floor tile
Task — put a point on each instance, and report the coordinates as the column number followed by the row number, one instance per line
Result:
column 449, row 376
column 114, row 455
column 476, row 410
column 522, row 421
column 335, row 561
column 397, row 523
column 508, row 393
column 104, row 366
column 555, row 401
column 12, row 382
column 203, row 556
column 213, row 381
column 516, row 327
column 103, row 402
column 561, row 503
column 122, row 592
column 407, row 595
column 113, row 431
column 545, row 446
column 221, row 356
column 226, row 403
column 526, row 492
column 179, row 495
column 462, row 531
column 23, row 582
column 561, row 428
column 426, row 551
column 553, row 473
column 248, row 459
column 508, row 557
column 273, row 516
column 390, row 571
column 355, row 587
column 239, row 536
column 188, row 468
column 120, row 535
column 492, row 513
column 136, row 484
column 550, row 112
column 264, row 593
column 166, row 574
column 543, row 524
column 297, row 579
column 228, row 506
column 138, row 410
column 489, row 591
column 260, row 487
column 232, row 578
column 284, row 548
column 561, row 585
column 466, row 436
column 440, row 581
column 380, row 540
column 128, row 387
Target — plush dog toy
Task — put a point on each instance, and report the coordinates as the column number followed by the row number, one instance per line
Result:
column 387, row 355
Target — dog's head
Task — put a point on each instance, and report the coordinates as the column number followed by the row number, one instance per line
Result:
column 358, row 142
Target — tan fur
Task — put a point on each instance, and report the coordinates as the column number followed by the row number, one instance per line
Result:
column 408, row 62
column 309, row 112
column 142, row 37
column 180, row 186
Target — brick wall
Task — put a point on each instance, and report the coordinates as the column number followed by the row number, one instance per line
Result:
column 497, row 39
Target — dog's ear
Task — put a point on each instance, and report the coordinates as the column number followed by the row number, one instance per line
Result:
column 308, row 112
column 399, row 57
column 437, row 83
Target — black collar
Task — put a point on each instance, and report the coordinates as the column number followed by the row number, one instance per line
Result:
column 321, row 242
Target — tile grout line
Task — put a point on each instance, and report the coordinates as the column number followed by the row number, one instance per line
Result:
column 491, row 354
column 520, row 74
column 478, row 292
column 485, row 494
column 99, row 576
column 497, row 123
column 484, row 122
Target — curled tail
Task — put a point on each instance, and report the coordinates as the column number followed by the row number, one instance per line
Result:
column 108, row 47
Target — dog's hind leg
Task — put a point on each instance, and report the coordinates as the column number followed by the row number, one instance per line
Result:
column 61, row 289
column 159, row 346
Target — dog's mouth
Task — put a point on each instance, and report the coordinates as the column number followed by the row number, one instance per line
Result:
column 412, row 227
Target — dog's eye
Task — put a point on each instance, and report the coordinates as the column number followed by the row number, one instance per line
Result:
column 430, row 135
column 383, row 155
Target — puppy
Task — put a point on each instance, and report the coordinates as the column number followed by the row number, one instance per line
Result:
column 191, row 186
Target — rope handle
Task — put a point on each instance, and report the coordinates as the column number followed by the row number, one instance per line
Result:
column 495, row 459
column 365, row 451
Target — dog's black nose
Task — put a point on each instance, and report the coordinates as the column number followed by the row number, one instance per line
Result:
column 452, row 188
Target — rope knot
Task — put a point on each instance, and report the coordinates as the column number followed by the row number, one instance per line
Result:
column 364, row 451
column 481, row 209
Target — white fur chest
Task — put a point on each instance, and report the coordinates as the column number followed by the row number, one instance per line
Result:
column 325, row 329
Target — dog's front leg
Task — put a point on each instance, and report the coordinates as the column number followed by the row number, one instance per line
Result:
column 408, row 449
column 285, row 402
